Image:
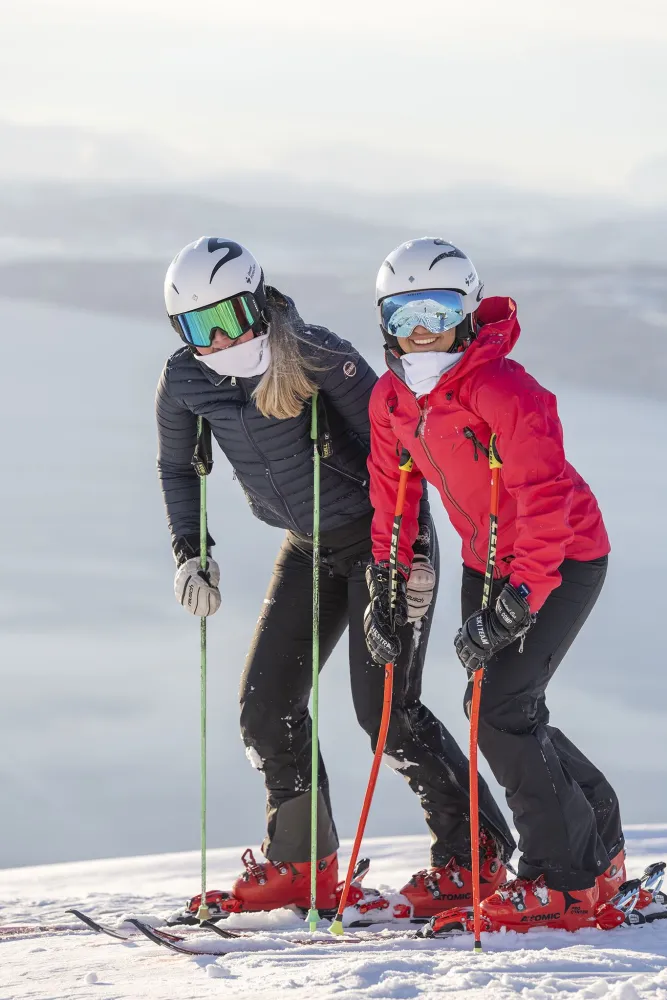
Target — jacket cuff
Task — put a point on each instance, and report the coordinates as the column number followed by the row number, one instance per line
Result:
column 422, row 543
column 187, row 547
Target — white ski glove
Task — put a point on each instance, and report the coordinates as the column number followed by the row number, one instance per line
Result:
column 197, row 589
column 420, row 588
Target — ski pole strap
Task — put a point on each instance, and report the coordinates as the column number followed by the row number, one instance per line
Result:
column 202, row 460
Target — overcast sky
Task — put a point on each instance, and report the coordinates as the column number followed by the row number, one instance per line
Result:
column 563, row 94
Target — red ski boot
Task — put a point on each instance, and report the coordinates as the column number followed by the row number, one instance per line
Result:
column 611, row 881
column 272, row 885
column 520, row 905
column 432, row 888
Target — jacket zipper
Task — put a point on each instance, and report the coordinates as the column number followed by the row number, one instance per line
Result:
column 476, row 443
column 420, row 434
column 267, row 471
column 348, row 475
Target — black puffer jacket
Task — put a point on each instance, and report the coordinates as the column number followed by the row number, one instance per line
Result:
column 271, row 458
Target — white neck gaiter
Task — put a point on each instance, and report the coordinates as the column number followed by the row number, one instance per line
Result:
column 242, row 361
column 423, row 370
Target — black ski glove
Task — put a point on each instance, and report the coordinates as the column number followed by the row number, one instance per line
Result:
column 380, row 629
column 491, row 629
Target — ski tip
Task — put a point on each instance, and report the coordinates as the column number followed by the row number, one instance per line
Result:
column 337, row 927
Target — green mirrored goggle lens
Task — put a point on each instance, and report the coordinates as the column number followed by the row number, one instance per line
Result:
column 233, row 317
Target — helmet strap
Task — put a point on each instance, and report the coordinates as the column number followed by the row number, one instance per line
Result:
column 466, row 332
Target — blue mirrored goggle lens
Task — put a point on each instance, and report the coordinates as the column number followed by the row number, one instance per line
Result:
column 234, row 317
column 438, row 310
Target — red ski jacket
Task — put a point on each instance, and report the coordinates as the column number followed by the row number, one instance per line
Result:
column 547, row 512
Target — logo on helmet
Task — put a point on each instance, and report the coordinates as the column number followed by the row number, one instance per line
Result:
column 234, row 251
column 452, row 252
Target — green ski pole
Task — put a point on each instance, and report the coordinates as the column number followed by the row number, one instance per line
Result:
column 203, row 464
column 313, row 915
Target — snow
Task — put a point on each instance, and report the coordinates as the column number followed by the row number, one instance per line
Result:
column 624, row 964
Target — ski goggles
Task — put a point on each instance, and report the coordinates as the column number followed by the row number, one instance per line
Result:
column 437, row 309
column 234, row 317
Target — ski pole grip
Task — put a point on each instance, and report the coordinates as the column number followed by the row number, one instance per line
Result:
column 202, row 460
column 495, row 462
column 405, row 462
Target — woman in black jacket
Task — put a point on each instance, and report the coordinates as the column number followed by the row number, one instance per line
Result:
column 250, row 367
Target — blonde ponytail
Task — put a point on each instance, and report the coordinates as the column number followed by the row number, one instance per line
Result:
column 286, row 385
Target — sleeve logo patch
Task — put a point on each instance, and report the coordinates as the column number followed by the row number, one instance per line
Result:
column 349, row 369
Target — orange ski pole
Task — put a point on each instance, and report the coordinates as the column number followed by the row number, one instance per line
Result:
column 495, row 465
column 405, row 465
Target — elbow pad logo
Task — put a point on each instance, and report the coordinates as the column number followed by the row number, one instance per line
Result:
column 349, row 369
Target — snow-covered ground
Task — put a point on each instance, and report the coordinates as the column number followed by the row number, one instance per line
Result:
column 624, row 964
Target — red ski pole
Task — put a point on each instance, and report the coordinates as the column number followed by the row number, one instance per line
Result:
column 405, row 465
column 495, row 465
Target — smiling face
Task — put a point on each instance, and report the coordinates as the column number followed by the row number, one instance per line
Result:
column 422, row 340
column 221, row 342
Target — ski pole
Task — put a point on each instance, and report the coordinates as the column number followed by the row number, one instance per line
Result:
column 313, row 914
column 203, row 463
column 405, row 465
column 495, row 465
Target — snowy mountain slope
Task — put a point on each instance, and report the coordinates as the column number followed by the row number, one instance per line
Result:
column 624, row 964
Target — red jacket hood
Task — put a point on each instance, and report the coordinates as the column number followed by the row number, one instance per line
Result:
column 498, row 333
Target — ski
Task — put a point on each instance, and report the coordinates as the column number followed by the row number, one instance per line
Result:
column 221, row 932
column 100, row 928
column 95, row 925
column 203, row 948
column 171, row 942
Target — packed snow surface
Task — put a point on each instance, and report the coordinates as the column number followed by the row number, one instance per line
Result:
column 624, row 964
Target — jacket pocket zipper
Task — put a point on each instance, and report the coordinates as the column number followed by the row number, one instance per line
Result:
column 267, row 473
column 448, row 494
column 476, row 443
column 348, row 475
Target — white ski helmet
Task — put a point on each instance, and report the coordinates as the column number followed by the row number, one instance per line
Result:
column 210, row 270
column 428, row 263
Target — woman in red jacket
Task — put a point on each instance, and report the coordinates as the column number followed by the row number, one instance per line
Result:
column 450, row 385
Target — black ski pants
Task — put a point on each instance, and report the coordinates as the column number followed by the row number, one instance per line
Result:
column 275, row 689
column 564, row 809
